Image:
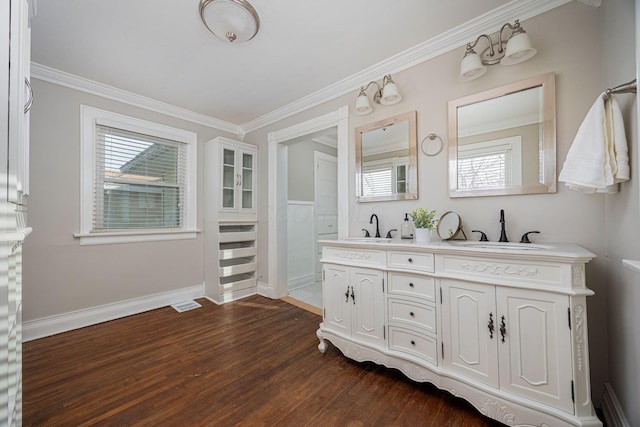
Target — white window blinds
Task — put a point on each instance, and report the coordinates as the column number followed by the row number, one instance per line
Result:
column 377, row 182
column 139, row 181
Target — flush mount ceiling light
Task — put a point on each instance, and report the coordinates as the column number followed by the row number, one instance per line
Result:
column 386, row 95
column 518, row 50
column 231, row 20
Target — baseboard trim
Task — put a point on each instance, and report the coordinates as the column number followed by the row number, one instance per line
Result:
column 302, row 281
column 232, row 296
column 47, row 326
column 266, row 290
column 613, row 414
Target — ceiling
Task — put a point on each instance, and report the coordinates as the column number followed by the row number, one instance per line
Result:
column 160, row 49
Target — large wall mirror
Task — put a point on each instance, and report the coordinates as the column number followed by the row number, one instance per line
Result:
column 386, row 159
column 503, row 141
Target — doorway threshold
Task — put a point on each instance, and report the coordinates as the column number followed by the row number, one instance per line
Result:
column 303, row 305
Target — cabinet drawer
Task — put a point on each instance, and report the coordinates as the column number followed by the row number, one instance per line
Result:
column 411, row 261
column 406, row 341
column 412, row 314
column 415, row 286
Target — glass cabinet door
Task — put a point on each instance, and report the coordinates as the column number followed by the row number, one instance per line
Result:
column 228, row 178
column 247, row 181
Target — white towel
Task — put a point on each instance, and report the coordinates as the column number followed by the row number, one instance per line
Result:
column 598, row 158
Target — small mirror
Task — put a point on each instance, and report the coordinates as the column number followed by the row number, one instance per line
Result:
column 386, row 159
column 450, row 226
column 503, row 141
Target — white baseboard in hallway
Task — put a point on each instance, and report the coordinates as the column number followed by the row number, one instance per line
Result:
column 613, row 414
column 310, row 294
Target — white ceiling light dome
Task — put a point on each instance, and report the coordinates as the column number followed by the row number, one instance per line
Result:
column 232, row 20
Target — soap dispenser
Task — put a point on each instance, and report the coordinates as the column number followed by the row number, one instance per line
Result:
column 406, row 229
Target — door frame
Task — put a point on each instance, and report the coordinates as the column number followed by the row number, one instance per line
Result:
column 317, row 156
column 277, row 156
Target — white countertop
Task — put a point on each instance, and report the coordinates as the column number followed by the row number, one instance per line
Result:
column 534, row 250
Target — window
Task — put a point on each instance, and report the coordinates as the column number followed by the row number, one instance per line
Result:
column 138, row 180
column 490, row 164
column 385, row 177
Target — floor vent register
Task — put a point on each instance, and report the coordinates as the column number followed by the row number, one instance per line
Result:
column 185, row 306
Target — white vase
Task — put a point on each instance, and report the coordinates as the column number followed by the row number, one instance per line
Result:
column 423, row 235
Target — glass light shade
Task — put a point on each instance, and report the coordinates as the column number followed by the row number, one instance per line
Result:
column 231, row 20
column 390, row 94
column 362, row 105
column 471, row 67
column 518, row 49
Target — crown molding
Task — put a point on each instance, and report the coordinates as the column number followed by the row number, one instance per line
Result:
column 52, row 75
column 489, row 22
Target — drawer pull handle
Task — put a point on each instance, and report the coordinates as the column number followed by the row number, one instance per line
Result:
column 411, row 314
column 410, row 260
column 411, row 285
column 503, row 328
column 413, row 342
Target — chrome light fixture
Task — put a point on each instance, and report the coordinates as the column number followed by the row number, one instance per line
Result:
column 386, row 95
column 518, row 50
column 231, row 20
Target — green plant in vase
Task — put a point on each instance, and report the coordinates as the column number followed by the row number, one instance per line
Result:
column 424, row 221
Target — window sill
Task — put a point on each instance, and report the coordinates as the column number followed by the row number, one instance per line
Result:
column 88, row 239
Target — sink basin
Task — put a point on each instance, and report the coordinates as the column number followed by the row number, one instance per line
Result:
column 368, row 239
column 503, row 246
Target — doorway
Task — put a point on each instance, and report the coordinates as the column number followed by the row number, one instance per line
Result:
column 278, row 241
column 312, row 211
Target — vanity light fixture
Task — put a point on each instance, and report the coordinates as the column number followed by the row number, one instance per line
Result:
column 231, row 20
column 518, row 50
column 386, row 95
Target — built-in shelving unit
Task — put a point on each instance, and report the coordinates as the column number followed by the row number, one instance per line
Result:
column 237, row 257
column 230, row 223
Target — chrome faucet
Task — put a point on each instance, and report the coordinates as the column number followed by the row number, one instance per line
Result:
column 371, row 222
column 503, row 233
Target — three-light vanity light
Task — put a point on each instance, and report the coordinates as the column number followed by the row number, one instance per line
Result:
column 518, row 49
column 387, row 94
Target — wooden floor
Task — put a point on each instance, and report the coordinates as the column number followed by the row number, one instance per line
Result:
column 252, row 362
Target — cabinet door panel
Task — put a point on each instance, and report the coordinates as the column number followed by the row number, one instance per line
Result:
column 536, row 355
column 337, row 309
column 368, row 301
column 469, row 348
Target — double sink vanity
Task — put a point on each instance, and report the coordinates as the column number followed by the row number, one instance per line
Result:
column 502, row 325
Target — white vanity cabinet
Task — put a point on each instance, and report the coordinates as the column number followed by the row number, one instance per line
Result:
column 355, row 302
column 505, row 329
column 517, row 340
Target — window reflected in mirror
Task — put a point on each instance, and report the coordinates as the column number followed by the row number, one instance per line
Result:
column 386, row 163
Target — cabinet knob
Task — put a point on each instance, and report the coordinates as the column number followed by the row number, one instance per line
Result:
column 411, row 314
column 413, row 342
column 411, row 285
column 410, row 260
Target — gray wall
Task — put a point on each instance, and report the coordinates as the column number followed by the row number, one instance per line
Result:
column 301, row 171
column 572, row 51
column 61, row 276
column 622, row 225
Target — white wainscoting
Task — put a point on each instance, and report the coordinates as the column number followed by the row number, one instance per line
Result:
column 300, row 244
column 52, row 325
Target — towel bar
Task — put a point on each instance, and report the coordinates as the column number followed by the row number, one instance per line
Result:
column 630, row 87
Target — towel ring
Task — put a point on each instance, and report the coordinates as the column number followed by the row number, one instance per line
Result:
column 433, row 148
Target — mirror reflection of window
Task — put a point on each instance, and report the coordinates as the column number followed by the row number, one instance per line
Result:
column 490, row 164
column 386, row 159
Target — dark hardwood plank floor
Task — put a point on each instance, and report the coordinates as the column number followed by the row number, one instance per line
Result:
column 251, row 362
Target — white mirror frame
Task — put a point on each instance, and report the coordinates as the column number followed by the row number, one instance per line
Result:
column 547, row 83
